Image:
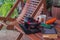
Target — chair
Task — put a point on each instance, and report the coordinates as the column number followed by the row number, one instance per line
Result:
column 9, row 34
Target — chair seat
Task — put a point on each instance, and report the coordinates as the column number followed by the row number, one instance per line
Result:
column 9, row 35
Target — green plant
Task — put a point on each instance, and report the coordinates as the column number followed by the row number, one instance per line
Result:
column 5, row 8
column 24, row 1
column 49, row 3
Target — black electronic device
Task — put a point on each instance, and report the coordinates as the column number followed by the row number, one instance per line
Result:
column 30, row 26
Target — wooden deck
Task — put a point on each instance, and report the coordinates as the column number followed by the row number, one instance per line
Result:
column 38, row 36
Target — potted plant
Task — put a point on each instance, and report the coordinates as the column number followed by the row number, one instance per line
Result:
column 56, row 9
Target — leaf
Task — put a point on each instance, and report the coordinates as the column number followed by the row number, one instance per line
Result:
column 5, row 8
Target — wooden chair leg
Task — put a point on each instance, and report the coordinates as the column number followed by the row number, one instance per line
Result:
column 10, row 27
column 20, row 36
column 1, row 27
